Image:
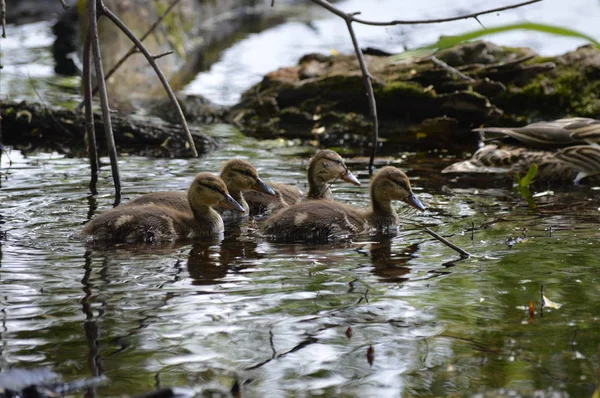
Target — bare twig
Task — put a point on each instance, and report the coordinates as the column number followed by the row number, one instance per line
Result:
column 64, row 5
column 89, row 114
column 3, row 17
column 159, row 73
column 157, row 56
column 340, row 13
column 447, row 243
column 110, row 139
column 349, row 18
column 133, row 48
column 450, row 69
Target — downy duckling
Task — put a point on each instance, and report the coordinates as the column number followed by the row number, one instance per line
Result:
column 322, row 220
column 158, row 223
column 239, row 175
column 324, row 168
column 555, row 147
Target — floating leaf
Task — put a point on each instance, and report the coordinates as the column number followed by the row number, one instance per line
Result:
column 349, row 332
column 546, row 302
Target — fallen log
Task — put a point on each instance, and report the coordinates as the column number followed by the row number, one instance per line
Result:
column 29, row 126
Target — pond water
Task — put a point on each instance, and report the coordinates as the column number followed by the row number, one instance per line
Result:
column 400, row 316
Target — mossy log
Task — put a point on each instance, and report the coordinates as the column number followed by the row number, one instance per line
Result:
column 421, row 104
column 33, row 126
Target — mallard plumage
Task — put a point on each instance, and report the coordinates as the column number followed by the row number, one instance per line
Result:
column 239, row 175
column 323, row 169
column 547, row 135
column 564, row 150
column 322, row 220
column 157, row 222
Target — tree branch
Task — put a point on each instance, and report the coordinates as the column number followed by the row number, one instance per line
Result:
column 133, row 48
column 89, row 114
column 366, row 77
column 342, row 14
column 110, row 139
column 109, row 14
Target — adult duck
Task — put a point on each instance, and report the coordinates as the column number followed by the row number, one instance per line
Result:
column 564, row 150
column 322, row 220
column 239, row 175
column 325, row 167
column 154, row 222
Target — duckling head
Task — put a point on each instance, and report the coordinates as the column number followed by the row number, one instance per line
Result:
column 240, row 175
column 327, row 166
column 392, row 184
column 209, row 190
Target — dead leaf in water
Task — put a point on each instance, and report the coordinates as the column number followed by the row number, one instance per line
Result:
column 349, row 332
column 531, row 311
column 370, row 355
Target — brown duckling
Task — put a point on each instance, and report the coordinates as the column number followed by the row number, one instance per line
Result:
column 156, row 222
column 324, row 168
column 322, row 220
column 239, row 175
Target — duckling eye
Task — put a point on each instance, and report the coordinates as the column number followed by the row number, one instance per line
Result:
column 338, row 161
column 214, row 189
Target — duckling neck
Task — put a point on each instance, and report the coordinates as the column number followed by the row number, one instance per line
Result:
column 205, row 217
column 318, row 189
column 382, row 214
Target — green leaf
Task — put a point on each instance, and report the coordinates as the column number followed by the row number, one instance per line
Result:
column 528, row 179
column 450, row 41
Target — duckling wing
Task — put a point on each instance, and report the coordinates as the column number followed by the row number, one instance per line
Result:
column 317, row 220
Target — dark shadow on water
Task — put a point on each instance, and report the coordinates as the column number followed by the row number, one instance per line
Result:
column 390, row 265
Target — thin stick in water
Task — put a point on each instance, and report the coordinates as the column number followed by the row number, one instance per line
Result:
column 108, row 132
column 447, row 243
column 89, row 114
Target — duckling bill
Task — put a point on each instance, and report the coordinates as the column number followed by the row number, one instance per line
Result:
column 324, row 220
column 159, row 223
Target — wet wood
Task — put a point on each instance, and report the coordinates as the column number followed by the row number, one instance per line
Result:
column 29, row 126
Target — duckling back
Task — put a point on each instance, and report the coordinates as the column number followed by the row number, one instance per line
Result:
column 317, row 220
column 174, row 200
column 147, row 223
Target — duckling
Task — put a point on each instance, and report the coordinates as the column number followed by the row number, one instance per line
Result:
column 324, row 168
column 322, row 220
column 238, row 175
column 559, row 153
column 155, row 222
